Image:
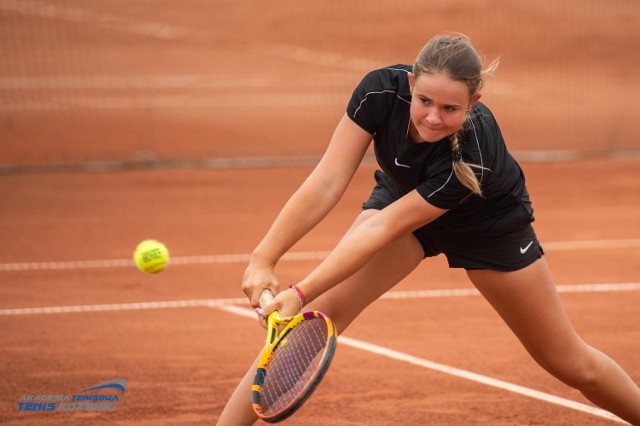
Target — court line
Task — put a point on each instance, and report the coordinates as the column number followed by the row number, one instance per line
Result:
column 292, row 256
column 135, row 306
column 463, row 292
column 240, row 301
column 453, row 371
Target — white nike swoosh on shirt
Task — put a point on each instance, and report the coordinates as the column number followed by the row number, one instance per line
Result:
column 401, row 165
column 523, row 250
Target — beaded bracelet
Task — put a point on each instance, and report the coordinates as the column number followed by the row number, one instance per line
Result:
column 299, row 294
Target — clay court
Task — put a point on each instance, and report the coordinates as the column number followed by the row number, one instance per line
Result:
column 193, row 122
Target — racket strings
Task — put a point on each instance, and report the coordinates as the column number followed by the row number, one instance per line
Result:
column 293, row 365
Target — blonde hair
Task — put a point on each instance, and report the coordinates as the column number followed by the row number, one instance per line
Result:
column 454, row 55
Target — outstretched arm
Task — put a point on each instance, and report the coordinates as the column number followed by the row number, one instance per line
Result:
column 359, row 246
column 313, row 200
column 354, row 251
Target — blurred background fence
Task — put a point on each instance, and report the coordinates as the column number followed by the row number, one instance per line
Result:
column 110, row 84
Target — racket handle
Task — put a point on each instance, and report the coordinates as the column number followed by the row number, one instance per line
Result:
column 265, row 298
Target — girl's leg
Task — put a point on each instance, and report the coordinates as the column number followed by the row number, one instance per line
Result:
column 528, row 302
column 342, row 304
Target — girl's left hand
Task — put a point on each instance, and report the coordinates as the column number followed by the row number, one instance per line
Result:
column 286, row 303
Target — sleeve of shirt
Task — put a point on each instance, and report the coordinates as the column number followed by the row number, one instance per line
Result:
column 444, row 190
column 372, row 101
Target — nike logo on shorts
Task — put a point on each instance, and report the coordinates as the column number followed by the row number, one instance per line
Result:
column 401, row 165
column 524, row 249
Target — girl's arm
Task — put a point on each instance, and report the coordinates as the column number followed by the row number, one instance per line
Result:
column 358, row 247
column 313, row 200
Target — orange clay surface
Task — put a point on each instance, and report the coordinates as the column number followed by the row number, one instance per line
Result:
column 182, row 363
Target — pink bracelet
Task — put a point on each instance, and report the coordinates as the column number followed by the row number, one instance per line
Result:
column 299, row 294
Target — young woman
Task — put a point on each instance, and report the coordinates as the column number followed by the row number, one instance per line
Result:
column 448, row 185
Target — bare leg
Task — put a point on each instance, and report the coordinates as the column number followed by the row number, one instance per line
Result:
column 528, row 302
column 342, row 304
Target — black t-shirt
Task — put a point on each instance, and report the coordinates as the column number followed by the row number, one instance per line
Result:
column 380, row 105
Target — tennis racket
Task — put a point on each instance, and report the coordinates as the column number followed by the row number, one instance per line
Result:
column 296, row 355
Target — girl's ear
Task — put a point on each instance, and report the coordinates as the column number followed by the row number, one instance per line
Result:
column 410, row 78
column 474, row 99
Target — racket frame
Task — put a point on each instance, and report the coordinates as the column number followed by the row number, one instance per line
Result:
column 276, row 337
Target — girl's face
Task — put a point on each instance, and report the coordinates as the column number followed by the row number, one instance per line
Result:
column 438, row 106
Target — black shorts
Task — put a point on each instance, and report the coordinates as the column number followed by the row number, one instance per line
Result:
column 508, row 250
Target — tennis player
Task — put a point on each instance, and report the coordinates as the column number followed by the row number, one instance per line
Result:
column 448, row 185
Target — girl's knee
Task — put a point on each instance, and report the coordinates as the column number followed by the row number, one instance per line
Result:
column 579, row 376
column 579, row 370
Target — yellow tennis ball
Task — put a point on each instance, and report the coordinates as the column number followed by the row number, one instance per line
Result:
column 151, row 256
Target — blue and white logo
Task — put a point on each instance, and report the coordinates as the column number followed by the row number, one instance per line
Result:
column 104, row 396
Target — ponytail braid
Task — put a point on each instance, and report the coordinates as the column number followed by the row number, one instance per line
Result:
column 462, row 169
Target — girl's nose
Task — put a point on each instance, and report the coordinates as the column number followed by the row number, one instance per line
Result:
column 433, row 116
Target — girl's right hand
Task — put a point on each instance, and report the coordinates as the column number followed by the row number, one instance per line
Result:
column 257, row 277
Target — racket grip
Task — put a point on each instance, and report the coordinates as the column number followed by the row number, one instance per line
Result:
column 265, row 298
